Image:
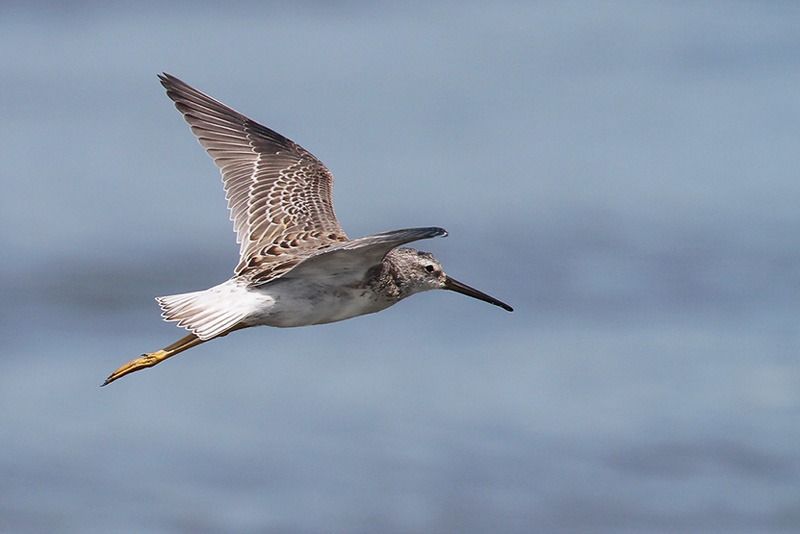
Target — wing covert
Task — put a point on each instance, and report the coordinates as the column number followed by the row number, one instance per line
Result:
column 351, row 260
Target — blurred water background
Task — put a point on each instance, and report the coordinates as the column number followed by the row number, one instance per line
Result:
column 625, row 174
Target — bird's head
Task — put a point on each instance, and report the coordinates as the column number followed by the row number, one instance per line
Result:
column 423, row 272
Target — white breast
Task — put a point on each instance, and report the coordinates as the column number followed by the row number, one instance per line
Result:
column 301, row 303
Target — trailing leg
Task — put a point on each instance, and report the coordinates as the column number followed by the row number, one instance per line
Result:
column 153, row 358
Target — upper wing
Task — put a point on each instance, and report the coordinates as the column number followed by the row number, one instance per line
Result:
column 351, row 261
column 279, row 194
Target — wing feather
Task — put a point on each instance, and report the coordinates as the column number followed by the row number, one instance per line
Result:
column 350, row 262
column 278, row 193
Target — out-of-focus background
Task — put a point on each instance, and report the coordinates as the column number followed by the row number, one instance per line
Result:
column 625, row 174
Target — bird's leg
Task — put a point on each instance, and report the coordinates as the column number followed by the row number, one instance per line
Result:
column 152, row 358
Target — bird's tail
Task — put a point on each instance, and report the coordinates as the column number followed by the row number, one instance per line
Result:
column 209, row 313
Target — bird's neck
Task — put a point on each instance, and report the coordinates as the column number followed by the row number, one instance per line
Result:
column 389, row 279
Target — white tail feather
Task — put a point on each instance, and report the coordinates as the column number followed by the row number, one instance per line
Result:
column 208, row 313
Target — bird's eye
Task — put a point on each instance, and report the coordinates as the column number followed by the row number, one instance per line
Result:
column 429, row 268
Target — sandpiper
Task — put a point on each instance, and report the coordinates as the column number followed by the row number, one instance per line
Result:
column 297, row 267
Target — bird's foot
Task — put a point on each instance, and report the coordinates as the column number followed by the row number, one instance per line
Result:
column 142, row 362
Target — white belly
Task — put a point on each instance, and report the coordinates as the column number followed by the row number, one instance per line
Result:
column 300, row 303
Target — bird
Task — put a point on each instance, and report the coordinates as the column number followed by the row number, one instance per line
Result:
column 296, row 266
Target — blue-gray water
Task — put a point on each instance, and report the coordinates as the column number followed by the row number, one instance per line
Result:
column 624, row 174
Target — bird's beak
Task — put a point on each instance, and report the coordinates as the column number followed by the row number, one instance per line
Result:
column 454, row 285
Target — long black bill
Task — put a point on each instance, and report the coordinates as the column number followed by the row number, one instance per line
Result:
column 464, row 289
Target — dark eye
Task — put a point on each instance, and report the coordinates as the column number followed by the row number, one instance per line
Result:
column 429, row 268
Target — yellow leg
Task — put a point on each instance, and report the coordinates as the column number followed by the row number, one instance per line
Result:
column 152, row 358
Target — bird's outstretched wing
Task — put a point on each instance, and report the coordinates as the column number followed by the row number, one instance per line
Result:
column 351, row 261
column 279, row 195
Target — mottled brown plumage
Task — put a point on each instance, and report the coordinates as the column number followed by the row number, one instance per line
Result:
column 279, row 194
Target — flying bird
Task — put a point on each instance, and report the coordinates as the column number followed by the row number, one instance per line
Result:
column 296, row 265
